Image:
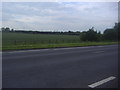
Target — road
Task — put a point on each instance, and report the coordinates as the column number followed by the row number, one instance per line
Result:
column 77, row 67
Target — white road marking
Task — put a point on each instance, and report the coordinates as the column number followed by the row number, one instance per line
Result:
column 99, row 52
column 51, row 49
column 26, row 51
column 101, row 82
column 101, row 46
column 21, row 56
column 44, row 49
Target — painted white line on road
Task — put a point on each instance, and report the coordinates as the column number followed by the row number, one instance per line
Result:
column 99, row 52
column 101, row 82
column 44, row 50
column 101, row 46
column 63, row 48
column 73, row 48
column 26, row 51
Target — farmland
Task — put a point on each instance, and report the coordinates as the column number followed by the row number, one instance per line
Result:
column 16, row 41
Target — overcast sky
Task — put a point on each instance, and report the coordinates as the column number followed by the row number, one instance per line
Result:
column 59, row 16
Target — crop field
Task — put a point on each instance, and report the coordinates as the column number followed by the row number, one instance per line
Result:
column 16, row 41
column 22, row 40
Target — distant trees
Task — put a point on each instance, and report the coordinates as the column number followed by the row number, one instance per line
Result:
column 7, row 29
column 118, row 30
column 110, row 34
column 113, row 33
column 90, row 35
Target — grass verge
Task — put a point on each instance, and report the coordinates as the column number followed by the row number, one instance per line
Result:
column 42, row 46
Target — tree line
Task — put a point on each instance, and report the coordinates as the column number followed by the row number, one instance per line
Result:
column 111, row 34
column 7, row 29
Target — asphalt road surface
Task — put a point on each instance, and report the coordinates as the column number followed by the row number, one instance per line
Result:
column 77, row 67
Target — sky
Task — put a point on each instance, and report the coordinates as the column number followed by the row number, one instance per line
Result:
column 59, row 16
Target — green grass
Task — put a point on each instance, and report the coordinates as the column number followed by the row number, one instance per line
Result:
column 17, row 41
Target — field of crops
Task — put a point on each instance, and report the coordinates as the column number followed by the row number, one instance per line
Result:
column 27, row 39
column 14, row 41
column 30, row 40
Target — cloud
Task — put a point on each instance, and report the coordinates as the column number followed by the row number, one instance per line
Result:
column 27, row 19
column 60, row 16
column 34, row 19
column 26, row 7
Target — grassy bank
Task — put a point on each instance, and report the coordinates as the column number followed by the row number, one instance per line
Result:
column 18, row 41
column 41, row 46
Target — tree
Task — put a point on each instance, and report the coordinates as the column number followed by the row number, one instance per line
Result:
column 12, row 30
column 7, row 29
column 83, row 36
column 112, row 34
column 99, row 36
column 117, row 30
column 90, row 35
column 3, row 29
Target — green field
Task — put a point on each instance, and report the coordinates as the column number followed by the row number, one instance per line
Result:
column 15, row 41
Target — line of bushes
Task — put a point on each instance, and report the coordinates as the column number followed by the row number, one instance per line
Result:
column 111, row 34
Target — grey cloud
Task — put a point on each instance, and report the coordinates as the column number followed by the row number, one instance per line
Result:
column 60, row 16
